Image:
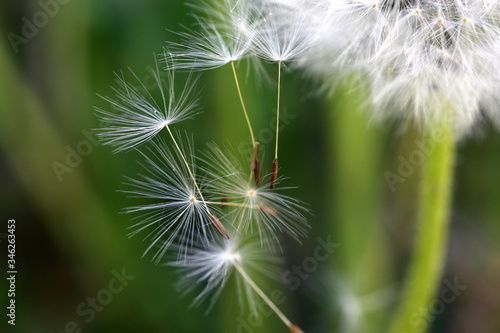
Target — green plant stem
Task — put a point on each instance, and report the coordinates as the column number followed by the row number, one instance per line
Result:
column 426, row 267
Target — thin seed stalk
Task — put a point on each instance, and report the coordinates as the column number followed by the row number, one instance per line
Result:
column 426, row 267
column 274, row 167
column 293, row 328
column 255, row 168
column 278, row 111
column 243, row 104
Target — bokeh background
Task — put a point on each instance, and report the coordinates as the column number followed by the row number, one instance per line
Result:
column 56, row 56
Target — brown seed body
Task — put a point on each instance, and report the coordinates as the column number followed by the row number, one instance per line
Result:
column 215, row 221
column 295, row 329
column 255, row 164
column 274, row 174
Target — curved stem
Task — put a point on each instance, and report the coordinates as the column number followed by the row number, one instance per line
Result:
column 429, row 255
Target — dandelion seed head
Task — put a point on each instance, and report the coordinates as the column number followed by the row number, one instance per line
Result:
column 413, row 56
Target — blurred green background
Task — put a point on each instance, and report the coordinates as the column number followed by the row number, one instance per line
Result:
column 55, row 56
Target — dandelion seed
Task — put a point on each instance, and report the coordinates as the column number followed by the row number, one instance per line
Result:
column 215, row 221
column 222, row 38
column 255, row 208
column 178, row 211
column 206, row 49
column 280, row 35
column 212, row 263
column 138, row 115
column 279, row 41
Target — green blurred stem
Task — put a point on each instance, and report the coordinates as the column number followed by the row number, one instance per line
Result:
column 429, row 255
column 356, row 152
